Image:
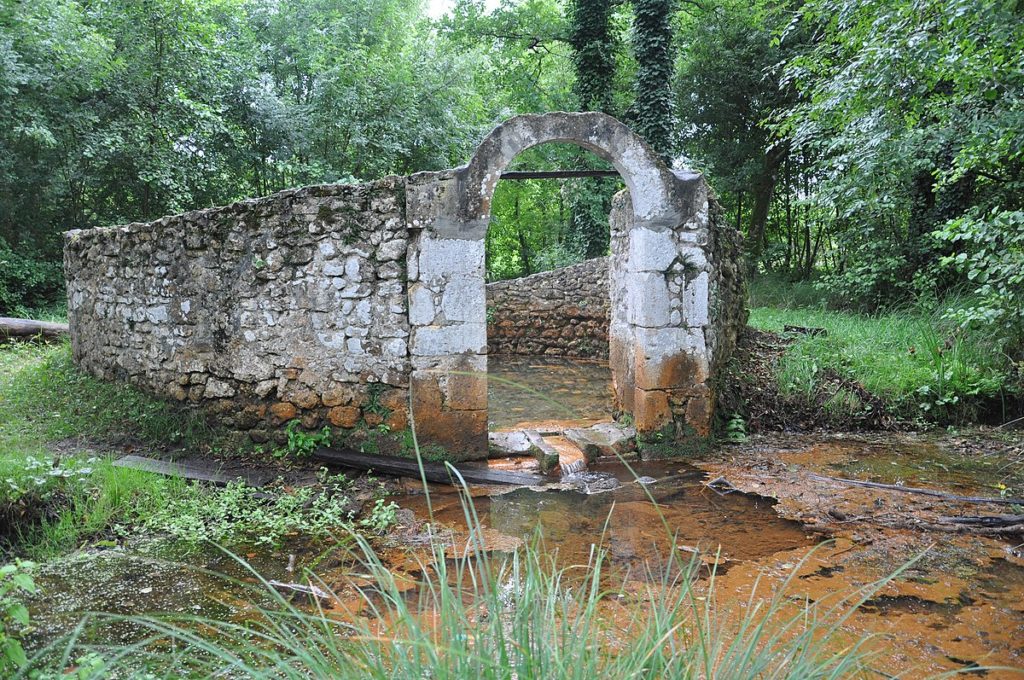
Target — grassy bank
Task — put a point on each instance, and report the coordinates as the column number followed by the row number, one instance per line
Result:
column 60, row 431
column 922, row 366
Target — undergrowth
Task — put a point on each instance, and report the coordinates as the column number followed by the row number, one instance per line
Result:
column 924, row 367
column 55, row 498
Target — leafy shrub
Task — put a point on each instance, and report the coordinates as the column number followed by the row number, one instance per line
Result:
column 239, row 511
column 27, row 281
column 301, row 444
column 991, row 254
column 15, row 582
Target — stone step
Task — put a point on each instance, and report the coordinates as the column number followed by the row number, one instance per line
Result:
column 550, row 449
column 546, row 454
column 604, row 439
column 570, row 458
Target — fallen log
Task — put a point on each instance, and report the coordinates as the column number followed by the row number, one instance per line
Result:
column 434, row 472
column 21, row 329
column 986, row 520
column 921, row 492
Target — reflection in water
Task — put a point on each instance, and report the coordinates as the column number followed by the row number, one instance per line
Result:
column 637, row 534
column 521, row 388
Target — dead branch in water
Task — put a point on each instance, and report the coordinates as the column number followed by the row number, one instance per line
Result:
column 921, row 492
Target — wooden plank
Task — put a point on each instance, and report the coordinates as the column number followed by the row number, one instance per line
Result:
column 434, row 472
column 198, row 472
column 27, row 328
column 557, row 174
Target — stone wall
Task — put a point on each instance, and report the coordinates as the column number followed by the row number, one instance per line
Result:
column 563, row 312
column 289, row 306
column 356, row 305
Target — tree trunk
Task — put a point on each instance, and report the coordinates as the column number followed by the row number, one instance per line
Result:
column 764, row 189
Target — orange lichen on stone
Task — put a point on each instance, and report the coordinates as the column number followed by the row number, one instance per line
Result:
column 344, row 416
column 282, row 411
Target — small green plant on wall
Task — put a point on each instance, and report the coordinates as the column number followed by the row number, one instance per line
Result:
column 373, row 404
column 736, row 429
column 302, row 444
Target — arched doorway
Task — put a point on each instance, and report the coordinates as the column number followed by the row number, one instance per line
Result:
column 662, row 280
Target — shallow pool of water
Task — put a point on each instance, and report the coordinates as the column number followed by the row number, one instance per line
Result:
column 526, row 389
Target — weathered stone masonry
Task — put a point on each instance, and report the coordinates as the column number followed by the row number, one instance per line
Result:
column 293, row 305
column 343, row 304
column 563, row 312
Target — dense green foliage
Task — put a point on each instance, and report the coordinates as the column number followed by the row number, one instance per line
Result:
column 651, row 112
column 872, row 147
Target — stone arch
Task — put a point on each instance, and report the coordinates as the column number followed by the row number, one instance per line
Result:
column 660, row 283
column 650, row 182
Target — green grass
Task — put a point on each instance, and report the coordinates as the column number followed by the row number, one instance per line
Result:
column 919, row 363
column 53, row 503
column 44, row 398
column 59, row 489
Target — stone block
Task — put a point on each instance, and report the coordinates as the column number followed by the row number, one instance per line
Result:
column 695, row 301
column 669, row 358
column 441, row 259
column 216, row 388
column 338, row 395
column 344, row 416
column 282, row 412
column 421, row 305
column 651, row 251
column 648, row 300
column 447, row 340
column 465, row 391
column 463, row 299
column 651, row 410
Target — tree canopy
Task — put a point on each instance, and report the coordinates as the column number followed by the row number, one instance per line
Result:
column 874, row 147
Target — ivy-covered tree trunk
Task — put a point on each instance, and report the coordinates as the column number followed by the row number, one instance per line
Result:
column 652, row 111
column 593, row 53
column 593, row 60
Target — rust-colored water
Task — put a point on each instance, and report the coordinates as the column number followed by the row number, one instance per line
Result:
column 636, row 532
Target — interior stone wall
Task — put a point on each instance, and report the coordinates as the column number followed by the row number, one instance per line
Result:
column 288, row 306
column 562, row 312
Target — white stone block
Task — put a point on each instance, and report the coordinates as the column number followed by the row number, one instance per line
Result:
column 395, row 347
column 648, row 300
column 658, row 344
column 391, row 250
column 447, row 257
column 464, row 299
column 651, row 251
column 695, row 301
column 454, row 339
column 218, row 388
column 157, row 314
column 421, row 305
column 352, row 268
column 694, row 258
